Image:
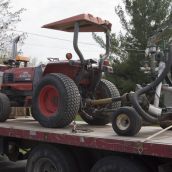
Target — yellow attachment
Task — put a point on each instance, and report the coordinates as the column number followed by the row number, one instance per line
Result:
column 22, row 58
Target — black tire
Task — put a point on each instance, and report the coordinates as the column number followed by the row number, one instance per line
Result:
column 165, row 124
column 126, row 121
column 56, row 101
column 5, row 107
column 46, row 156
column 165, row 120
column 107, row 90
column 83, row 158
column 116, row 164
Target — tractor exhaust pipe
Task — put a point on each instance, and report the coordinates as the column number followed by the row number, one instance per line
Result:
column 75, row 43
column 14, row 47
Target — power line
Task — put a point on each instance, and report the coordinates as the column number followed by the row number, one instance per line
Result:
column 50, row 37
column 39, row 45
column 47, row 46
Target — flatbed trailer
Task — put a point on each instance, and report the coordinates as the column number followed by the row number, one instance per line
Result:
column 83, row 148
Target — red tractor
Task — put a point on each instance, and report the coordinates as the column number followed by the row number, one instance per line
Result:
column 60, row 90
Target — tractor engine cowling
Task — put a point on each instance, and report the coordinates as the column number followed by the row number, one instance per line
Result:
column 18, row 75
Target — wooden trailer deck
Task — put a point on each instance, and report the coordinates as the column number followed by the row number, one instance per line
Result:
column 92, row 136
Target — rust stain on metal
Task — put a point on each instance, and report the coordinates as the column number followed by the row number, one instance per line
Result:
column 32, row 133
column 140, row 147
column 45, row 136
column 82, row 140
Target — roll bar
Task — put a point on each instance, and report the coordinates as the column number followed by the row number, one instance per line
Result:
column 83, row 23
column 78, row 52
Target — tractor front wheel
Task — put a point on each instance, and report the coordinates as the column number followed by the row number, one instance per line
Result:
column 56, row 101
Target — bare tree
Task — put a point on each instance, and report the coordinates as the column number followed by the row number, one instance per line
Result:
column 8, row 20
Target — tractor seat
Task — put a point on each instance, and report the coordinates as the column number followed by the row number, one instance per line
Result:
column 37, row 75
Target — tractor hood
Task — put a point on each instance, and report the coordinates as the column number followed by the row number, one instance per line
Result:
column 87, row 22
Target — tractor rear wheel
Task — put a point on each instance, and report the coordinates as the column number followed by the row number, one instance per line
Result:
column 5, row 107
column 56, row 101
column 105, row 89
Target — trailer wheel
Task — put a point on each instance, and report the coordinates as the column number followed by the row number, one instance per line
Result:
column 83, row 158
column 116, row 164
column 126, row 121
column 56, row 101
column 46, row 158
column 105, row 89
column 5, row 107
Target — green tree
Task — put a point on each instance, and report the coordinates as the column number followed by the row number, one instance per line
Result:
column 139, row 19
column 8, row 19
column 146, row 17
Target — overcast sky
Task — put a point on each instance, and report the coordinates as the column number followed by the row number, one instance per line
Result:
column 42, row 12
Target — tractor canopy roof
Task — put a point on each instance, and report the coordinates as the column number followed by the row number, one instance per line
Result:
column 87, row 23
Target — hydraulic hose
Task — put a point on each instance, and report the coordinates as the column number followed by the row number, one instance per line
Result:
column 135, row 96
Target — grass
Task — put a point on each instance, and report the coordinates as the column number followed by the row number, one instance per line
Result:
column 78, row 118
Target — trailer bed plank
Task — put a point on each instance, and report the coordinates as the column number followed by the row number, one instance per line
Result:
column 99, row 137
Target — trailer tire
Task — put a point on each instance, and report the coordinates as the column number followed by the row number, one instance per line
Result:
column 5, row 107
column 56, row 101
column 83, row 158
column 47, row 157
column 116, row 164
column 105, row 89
column 126, row 121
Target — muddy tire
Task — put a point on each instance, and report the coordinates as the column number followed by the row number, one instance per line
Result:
column 126, row 121
column 56, row 101
column 105, row 89
column 5, row 107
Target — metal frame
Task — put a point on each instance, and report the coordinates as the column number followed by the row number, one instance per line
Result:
column 101, row 138
column 78, row 52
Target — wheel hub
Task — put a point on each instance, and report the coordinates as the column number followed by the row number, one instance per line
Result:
column 123, row 122
column 45, row 165
column 48, row 100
